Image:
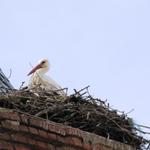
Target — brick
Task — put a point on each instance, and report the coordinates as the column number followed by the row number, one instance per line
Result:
column 39, row 123
column 33, row 130
column 19, row 138
column 13, row 122
column 6, row 145
column 61, row 139
column 51, row 147
column 52, row 136
column 22, row 138
column 9, row 115
column 52, row 128
column 24, row 119
column 35, row 122
column 32, row 141
column 97, row 147
column 7, row 124
column 69, row 141
column 14, row 116
column 60, row 130
column 22, row 148
column 60, row 148
column 69, row 148
column 76, row 141
column 23, row 128
column 73, row 131
column 57, row 129
column 43, row 134
column 42, row 145
column 73, row 141
column 44, row 125
column 4, row 136
column 87, row 146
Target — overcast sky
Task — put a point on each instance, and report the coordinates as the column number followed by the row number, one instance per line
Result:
column 101, row 43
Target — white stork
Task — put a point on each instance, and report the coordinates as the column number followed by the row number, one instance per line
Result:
column 39, row 78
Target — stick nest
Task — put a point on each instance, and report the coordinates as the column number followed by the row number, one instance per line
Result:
column 79, row 110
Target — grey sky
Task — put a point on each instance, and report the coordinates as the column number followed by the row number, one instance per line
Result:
column 100, row 43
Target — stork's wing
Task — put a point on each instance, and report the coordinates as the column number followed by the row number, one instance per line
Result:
column 53, row 85
column 50, row 81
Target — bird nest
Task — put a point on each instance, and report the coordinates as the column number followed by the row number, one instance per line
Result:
column 79, row 110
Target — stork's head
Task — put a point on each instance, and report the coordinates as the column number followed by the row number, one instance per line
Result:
column 41, row 67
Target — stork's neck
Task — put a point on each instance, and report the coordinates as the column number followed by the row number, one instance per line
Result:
column 42, row 71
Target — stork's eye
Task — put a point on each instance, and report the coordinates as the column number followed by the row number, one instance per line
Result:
column 43, row 62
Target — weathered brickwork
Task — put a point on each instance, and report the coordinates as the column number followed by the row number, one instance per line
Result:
column 23, row 132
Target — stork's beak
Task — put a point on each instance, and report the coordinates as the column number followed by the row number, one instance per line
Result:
column 34, row 69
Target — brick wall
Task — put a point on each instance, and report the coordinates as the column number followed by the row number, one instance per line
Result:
column 20, row 131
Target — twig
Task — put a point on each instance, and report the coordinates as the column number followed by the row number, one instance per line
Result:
column 83, row 89
column 142, row 126
column 142, row 131
column 21, row 85
column 130, row 111
column 10, row 73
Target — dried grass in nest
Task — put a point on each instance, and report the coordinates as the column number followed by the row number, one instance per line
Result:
column 79, row 110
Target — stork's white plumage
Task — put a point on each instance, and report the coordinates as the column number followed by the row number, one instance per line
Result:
column 39, row 78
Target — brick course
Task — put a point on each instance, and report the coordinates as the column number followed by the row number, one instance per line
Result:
column 20, row 131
